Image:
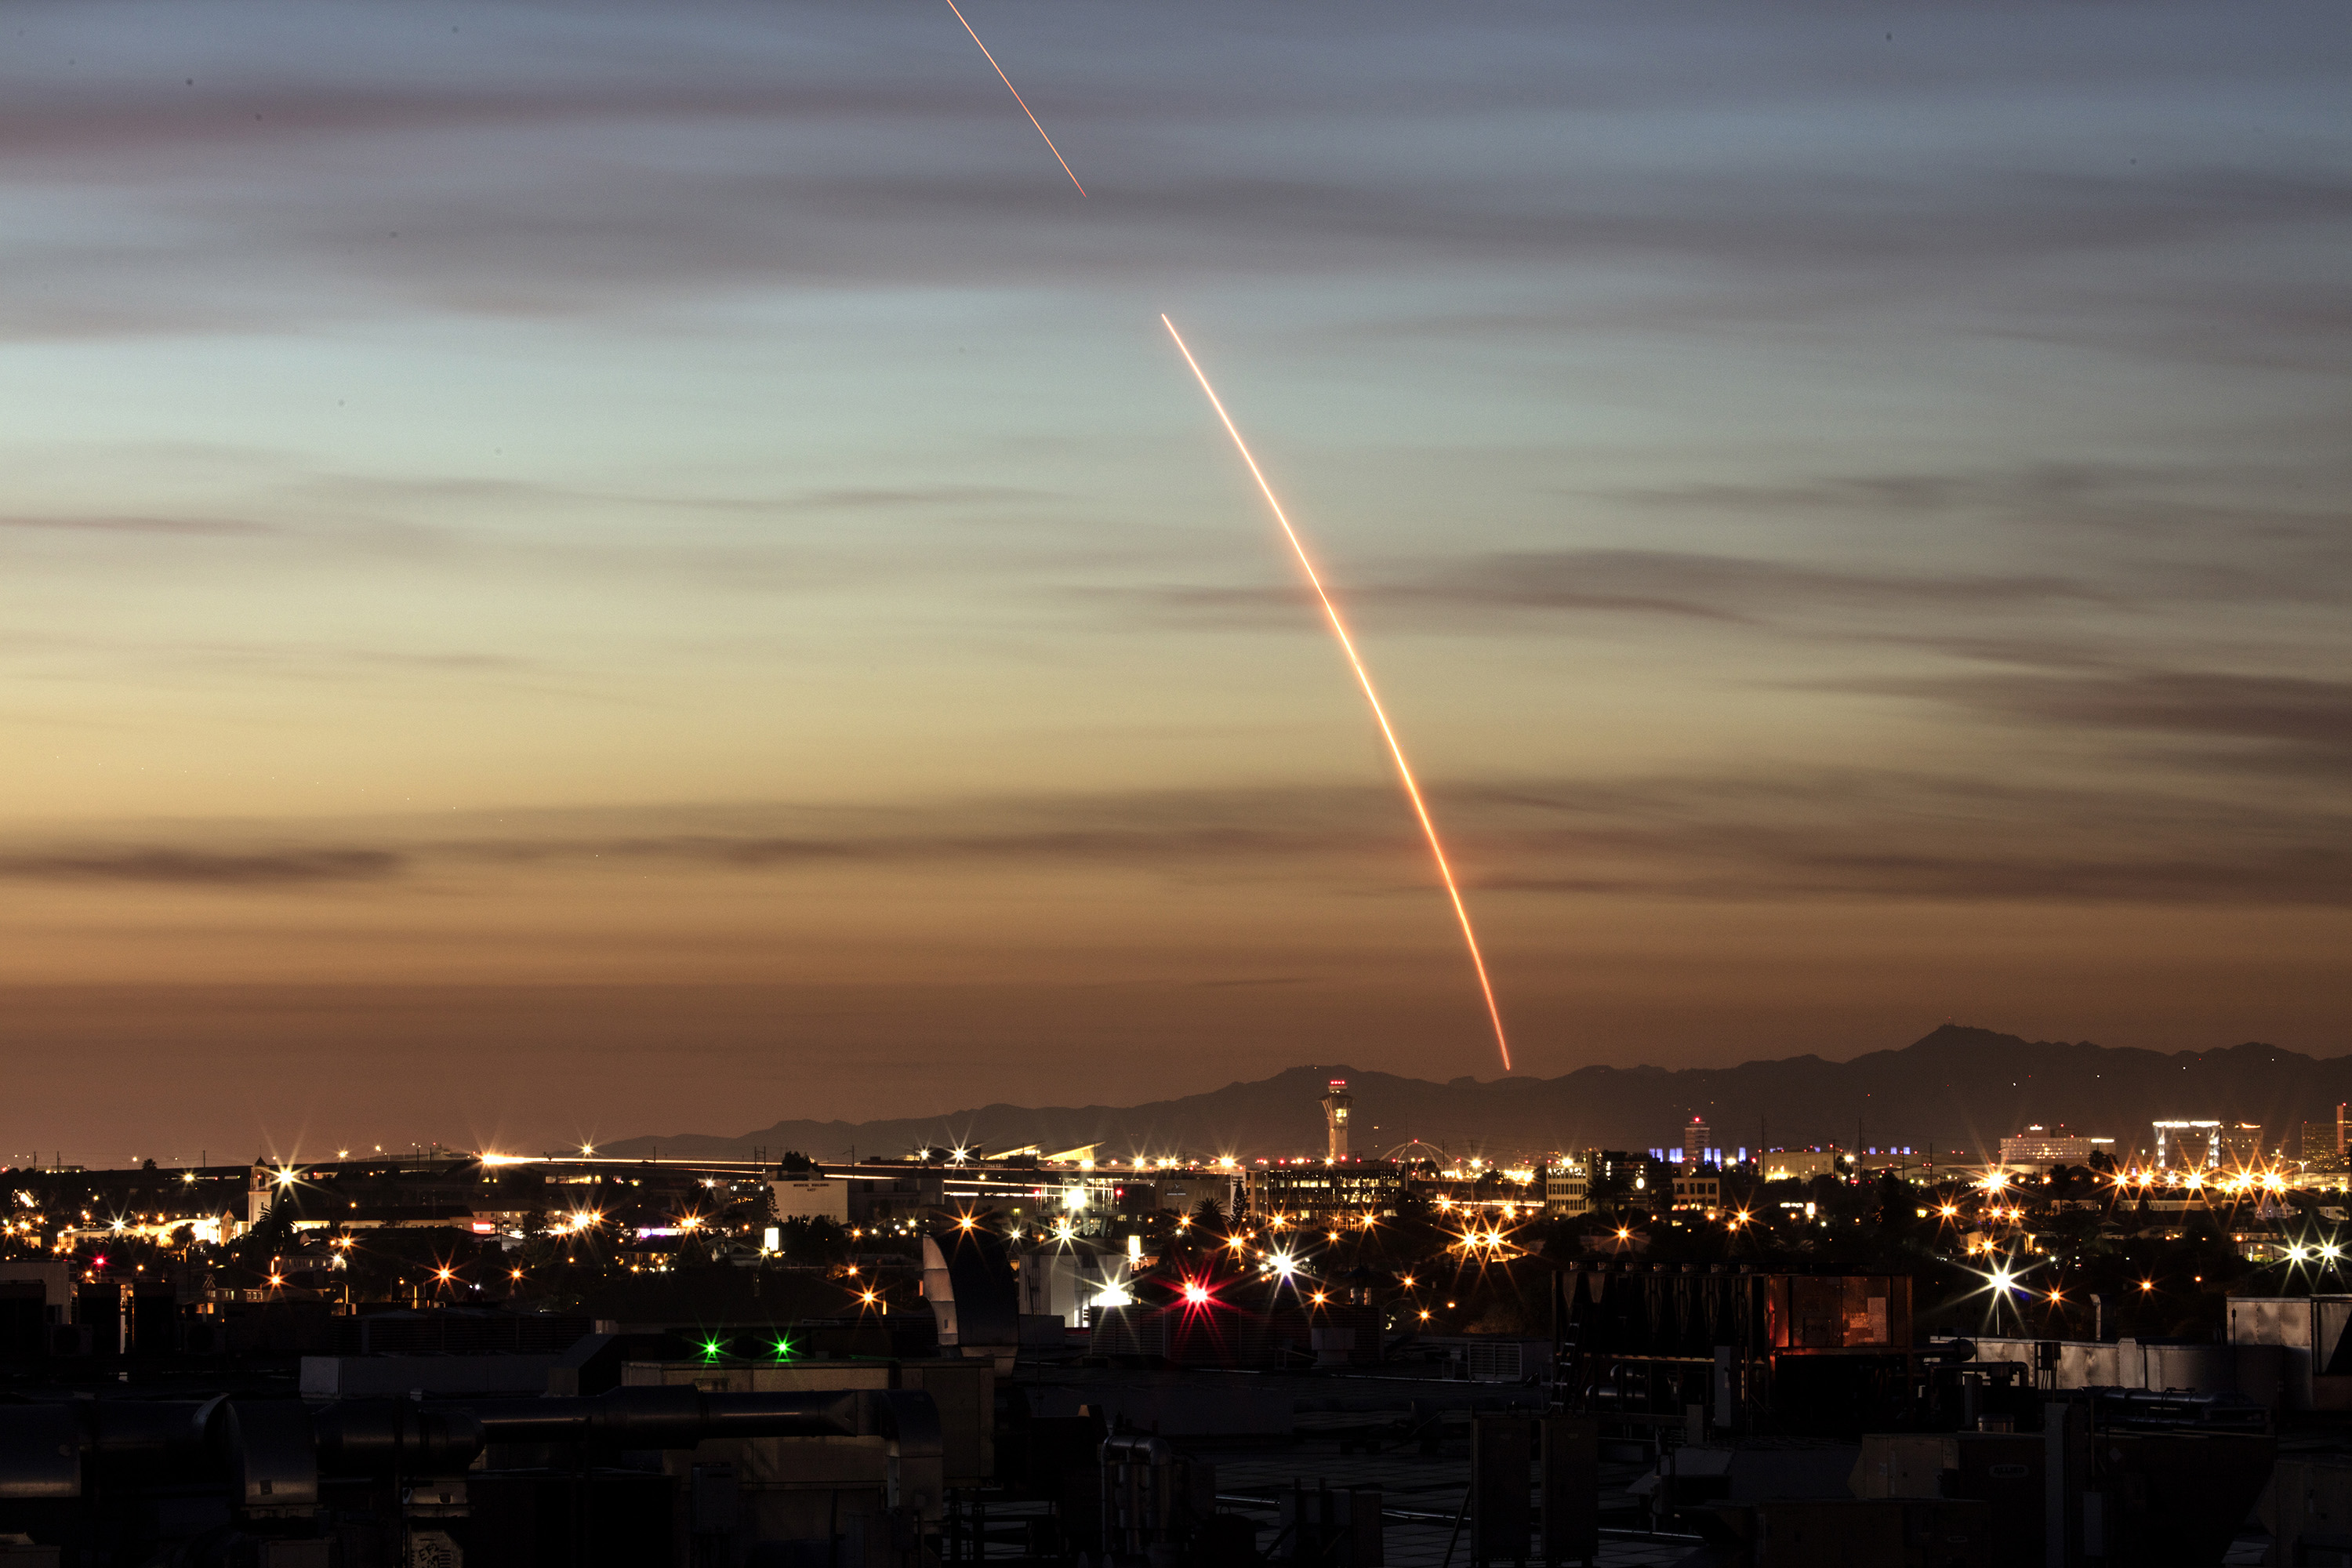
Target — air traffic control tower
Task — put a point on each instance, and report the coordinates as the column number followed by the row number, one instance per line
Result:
column 1335, row 1118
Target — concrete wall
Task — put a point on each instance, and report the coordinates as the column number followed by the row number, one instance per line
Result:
column 392, row 1376
column 2308, row 1334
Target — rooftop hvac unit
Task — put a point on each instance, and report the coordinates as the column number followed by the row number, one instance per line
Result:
column 1505, row 1361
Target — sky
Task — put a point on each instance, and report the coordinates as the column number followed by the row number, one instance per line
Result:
column 578, row 571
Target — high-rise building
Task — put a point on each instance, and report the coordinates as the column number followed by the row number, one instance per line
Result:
column 1695, row 1137
column 2188, row 1145
column 1335, row 1118
column 2238, row 1143
column 2322, row 1139
column 1568, row 1189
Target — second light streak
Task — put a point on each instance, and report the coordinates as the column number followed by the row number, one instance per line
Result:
column 1364, row 678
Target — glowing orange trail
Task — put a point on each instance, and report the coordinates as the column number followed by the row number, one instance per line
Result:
column 1018, row 99
column 1364, row 678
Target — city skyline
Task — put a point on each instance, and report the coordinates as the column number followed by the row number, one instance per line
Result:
column 567, row 571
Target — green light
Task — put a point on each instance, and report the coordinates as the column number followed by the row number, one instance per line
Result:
column 783, row 1347
column 710, row 1348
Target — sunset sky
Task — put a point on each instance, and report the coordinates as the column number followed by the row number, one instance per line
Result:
column 587, row 571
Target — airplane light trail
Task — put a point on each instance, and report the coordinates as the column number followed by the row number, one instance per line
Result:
column 1364, row 678
column 1018, row 99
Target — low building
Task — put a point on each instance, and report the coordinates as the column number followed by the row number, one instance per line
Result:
column 1804, row 1164
column 1324, row 1190
column 2040, row 1146
column 811, row 1199
column 1699, row 1190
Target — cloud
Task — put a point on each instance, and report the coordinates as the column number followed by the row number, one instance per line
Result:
column 544, row 165
column 2126, row 501
column 1691, row 586
column 1796, row 834
column 176, row 866
column 2291, row 715
column 191, row 526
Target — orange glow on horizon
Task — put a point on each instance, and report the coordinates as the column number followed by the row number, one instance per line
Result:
column 1018, row 99
column 1364, row 678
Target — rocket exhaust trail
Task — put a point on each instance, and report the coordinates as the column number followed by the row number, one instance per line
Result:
column 1017, row 98
column 1364, row 678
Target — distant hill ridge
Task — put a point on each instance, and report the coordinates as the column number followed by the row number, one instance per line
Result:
column 1963, row 1088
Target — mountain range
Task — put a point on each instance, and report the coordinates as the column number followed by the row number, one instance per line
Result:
column 1959, row 1090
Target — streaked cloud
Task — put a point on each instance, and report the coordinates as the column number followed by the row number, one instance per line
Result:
column 1794, row 834
column 196, row 527
column 173, row 866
